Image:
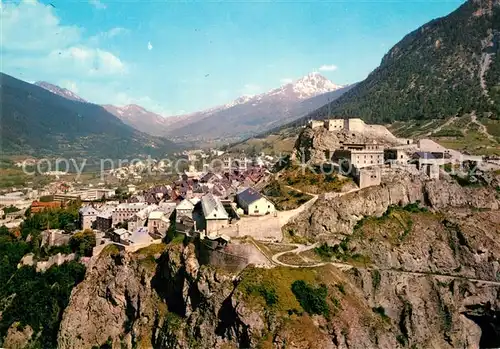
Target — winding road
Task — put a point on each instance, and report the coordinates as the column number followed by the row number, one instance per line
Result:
column 346, row 266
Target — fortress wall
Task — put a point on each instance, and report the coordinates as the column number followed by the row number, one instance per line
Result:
column 356, row 125
column 379, row 131
column 335, row 124
column 315, row 124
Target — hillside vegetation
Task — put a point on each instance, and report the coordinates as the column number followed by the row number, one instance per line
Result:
column 438, row 71
column 37, row 122
column 479, row 136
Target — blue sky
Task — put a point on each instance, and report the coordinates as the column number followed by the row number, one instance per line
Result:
column 174, row 57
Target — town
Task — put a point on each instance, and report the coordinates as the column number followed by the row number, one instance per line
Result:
column 225, row 203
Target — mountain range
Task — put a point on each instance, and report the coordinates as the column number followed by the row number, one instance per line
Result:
column 245, row 116
column 36, row 120
column 250, row 115
column 448, row 67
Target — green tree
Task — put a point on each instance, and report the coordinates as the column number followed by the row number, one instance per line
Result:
column 83, row 242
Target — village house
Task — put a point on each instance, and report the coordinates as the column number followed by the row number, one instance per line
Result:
column 253, row 203
column 158, row 223
column 87, row 217
column 167, row 207
column 368, row 176
column 185, row 208
column 216, row 216
column 397, row 156
column 14, row 198
column 104, row 220
column 429, row 163
column 124, row 211
column 138, row 219
column 119, row 235
column 37, row 206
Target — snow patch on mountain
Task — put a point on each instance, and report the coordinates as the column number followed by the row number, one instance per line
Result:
column 63, row 92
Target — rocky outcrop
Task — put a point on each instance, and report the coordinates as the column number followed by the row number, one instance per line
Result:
column 433, row 311
column 114, row 304
column 312, row 144
column 338, row 215
column 175, row 302
column 18, row 337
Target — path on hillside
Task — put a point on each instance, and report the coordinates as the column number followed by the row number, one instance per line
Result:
column 347, row 266
column 439, row 128
column 482, row 128
column 286, row 216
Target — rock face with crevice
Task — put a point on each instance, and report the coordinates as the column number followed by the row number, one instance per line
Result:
column 114, row 303
column 428, row 278
column 338, row 215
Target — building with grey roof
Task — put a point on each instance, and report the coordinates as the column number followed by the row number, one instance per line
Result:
column 216, row 216
column 254, row 203
column 87, row 217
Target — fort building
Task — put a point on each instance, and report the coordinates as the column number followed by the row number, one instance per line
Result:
column 360, row 155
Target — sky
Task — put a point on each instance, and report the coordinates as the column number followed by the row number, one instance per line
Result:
column 175, row 57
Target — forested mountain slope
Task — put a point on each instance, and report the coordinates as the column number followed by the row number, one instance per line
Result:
column 38, row 122
column 447, row 67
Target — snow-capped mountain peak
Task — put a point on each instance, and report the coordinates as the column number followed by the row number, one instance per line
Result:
column 312, row 85
column 60, row 91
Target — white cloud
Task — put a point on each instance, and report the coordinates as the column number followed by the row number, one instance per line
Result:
column 33, row 40
column 32, row 26
column 98, row 4
column 150, row 47
column 75, row 62
column 106, row 35
column 116, row 31
column 326, row 67
column 88, row 60
column 285, row 81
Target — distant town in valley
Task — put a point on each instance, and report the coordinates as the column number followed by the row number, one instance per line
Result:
column 249, row 174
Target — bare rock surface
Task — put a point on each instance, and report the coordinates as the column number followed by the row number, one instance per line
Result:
column 338, row 215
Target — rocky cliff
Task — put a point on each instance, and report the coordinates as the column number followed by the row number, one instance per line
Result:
column 312, row 144
column 115, row 304
column 331, row 216
column 429, row 284
column 184, row 305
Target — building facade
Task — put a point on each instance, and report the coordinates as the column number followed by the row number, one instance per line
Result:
column 359, row 155
column 124, row 211
column 368, row 176
column 104, row 221
column 216, row 216
column 87, row 215
column 253, row 203
column 158, row 223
